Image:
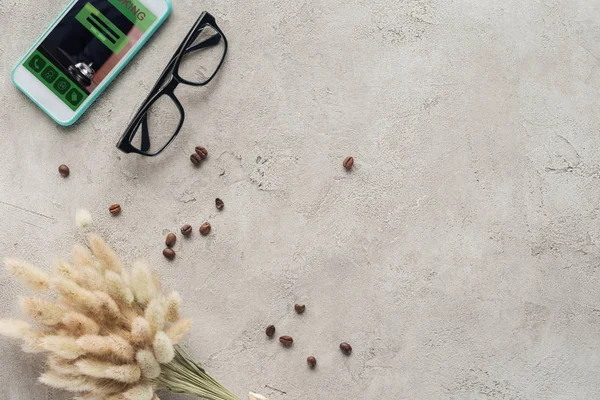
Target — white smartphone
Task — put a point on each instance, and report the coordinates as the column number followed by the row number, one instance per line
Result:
column 83, row 51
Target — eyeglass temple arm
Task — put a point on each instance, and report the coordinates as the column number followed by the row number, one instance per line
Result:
column 211, row 41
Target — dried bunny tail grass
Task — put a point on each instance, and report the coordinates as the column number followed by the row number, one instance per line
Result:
column 141, row 333
column 163, row 348
column 32, row 342
column 155, row 397
column 28, row 274
column 14, row 328
column 178, row 330
column 83, row 218
column 117, row 288
column 131, row 312
column 140, row 392
column 76, row 296
column 85, row 276
column 82, row 257
column 107, row 347
column 42, row 311
column 148, row 364
column 108, row 308
column 62, row 366
column 62, row 346
column 90, row 278
column 129, row 373
column 78, row 324
column 103, row 253
column 155, row 314
column 105, row 387
column 256, row 396
column 77, row 384
column 66, row 270
column 142, row 283
column 173, row 306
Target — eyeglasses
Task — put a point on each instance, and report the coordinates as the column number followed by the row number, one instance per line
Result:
column 160, row 117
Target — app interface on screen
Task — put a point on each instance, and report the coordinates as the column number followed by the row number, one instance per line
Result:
column 86, row 45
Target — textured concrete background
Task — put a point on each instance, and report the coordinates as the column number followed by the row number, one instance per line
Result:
column 460, row 257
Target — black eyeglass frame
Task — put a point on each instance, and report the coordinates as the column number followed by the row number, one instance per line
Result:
column 171, row 72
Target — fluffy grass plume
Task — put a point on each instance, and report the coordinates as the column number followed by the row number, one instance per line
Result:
column 28, row 274
column 107, row 333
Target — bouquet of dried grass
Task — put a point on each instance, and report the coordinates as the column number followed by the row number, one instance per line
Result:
column 109, row 333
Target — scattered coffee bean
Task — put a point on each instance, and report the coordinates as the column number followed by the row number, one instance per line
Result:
column 115, row 209
column 346, row 348
column 186, row 230
column 286, row 340
column 219, row 203
column 64, row 171
column 202, row 152
column 300, row 308
column 171, row 240
column 311, row 361
column 169, row 253
column 348, row 162
column 195, row 159
column 205, row 229
column 270, row 331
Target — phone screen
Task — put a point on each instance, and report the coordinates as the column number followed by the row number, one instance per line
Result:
column 84, row 47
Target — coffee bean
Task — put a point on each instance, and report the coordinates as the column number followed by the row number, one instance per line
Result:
column 300, row 308
column 286, row 340
column 186, row 230
column 195, row 159
column 205, row 229
column 169, row 253
column 348, row 162
column 64, row 171
column 115, row 209
column 270, row 331
column 171, row 240
column 202, row 152
column 311, row 361
column 219, row 204
column 346, row 348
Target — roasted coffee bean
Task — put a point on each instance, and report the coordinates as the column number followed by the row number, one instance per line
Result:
column 286, row 340
column 186, row 230
column 195, row 159
column 64, row 171
column 270, row 331
column 300, row 308
column 346, row 348
column 219, row 204
column 205, row 229
column 348, row 162
column 202, row 152
column 115, row 209
column 169, row 253
column 171, row 240
column 311, row 361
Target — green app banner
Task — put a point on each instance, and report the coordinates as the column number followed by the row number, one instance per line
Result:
column 136, row 12
column 60, row 84
column 101, row 27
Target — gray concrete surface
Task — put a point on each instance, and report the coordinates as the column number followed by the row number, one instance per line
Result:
column 460, row 257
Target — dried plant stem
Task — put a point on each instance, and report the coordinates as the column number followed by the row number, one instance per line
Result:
column 183, row 375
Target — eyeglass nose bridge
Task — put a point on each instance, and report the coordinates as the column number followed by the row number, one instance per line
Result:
column 171, row 85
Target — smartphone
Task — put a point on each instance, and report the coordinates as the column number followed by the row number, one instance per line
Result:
column 83, row 51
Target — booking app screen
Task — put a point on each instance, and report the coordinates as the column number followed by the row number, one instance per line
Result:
column 91, row 39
